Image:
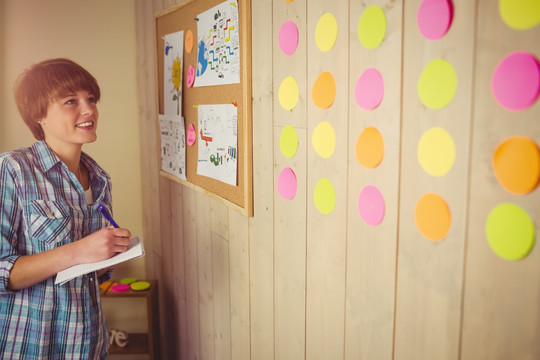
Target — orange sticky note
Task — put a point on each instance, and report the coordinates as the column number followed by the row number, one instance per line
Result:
column 323, row 93
column 432, row 216
column 516, row 163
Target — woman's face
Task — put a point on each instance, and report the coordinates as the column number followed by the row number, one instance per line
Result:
column 71, row 120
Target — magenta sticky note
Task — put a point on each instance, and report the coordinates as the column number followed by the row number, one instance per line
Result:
column 371, row 205
column 191, row 135
column 190, row 79
column 434, row 18
column 287, row 184
column 515, row 83
column 369, row 89
column 288, row 37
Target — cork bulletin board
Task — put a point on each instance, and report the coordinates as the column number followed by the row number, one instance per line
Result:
column 183, row 17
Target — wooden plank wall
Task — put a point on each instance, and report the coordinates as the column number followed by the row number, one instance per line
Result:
column 292, row 283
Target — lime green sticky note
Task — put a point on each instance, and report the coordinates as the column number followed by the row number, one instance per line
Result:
column 128, row 280
column 140, row 285
column 510, row 231
column 436, row 151
column 372, row 27
column 288, row 93
column 520, row 14
column 323, row 139
column 437, row 84
column 326, row 32
column 288, row 142
column 324, row 196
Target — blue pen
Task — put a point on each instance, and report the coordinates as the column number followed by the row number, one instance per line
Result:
column 108, row 216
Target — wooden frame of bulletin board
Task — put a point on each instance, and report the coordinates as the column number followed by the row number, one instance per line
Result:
column 183, row 17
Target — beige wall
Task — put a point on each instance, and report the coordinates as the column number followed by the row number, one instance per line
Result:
column 100, row 35
column 291, row 283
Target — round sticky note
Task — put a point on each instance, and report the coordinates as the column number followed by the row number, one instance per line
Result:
column 190, row 79
column 191, row 135
column 140, row 285
column 434, row 18
column 372, row 27
column 288, row 93
column 370, row 148
column 288, row 142
column 188, row 42
column 432, row 216
column 128, row 280
column 326, row 32
column 287, row 183
column 516, row 163
column 436, row 151
column 510, row 231
column 516, row 81
column 288, row 37
column 520, row 14
column 371, row 205
column 323, row 92
column 120, row 287
column 437, row 84
column 324, row 196
column 369, row 89
column 323, row 139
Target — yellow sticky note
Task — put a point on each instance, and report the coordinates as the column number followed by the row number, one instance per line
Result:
column 510, row 231
column 437, row 84
column 436, row 151
column 288, row 142
column 323, row 139
column 288, row 93
column 372, row 27
column 324, row 196
column 326, row 32
column 520, row 14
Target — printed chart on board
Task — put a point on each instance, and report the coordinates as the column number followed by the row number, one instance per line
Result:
column 218, row 142
column 173, row 145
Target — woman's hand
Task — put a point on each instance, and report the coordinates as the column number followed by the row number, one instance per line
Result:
column 103, row 244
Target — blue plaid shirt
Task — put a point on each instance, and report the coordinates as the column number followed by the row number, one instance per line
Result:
column 42, row 206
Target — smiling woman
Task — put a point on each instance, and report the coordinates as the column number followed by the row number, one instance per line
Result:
column 49, row 219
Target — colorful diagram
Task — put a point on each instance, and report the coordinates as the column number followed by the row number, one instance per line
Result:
column 218, row 59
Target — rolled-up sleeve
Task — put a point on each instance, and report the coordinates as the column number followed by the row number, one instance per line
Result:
column 10, row 215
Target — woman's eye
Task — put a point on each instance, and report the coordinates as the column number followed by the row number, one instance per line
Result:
column 70, row 102
column 92, row 99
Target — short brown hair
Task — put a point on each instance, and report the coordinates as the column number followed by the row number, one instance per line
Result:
column 45, row 81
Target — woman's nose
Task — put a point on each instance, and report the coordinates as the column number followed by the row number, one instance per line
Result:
column 87, row 108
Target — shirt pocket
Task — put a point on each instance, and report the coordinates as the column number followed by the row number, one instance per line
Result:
column 49, row 222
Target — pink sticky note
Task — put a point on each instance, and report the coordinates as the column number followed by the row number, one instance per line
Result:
column 371, row 205
column 434, row 18
column 369, row 90
column 287, row 183
column 288, row 37
column 191, row 135
column 190, row 76
column 120, row 287
column 515, row 83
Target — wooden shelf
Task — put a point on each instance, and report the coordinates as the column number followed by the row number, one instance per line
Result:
column 139, row 343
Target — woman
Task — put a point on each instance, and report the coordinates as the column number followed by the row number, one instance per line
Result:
column 49, row 194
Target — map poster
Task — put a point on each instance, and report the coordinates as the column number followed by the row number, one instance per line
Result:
column 218, row 46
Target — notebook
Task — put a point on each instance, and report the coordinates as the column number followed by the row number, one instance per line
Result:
column 135, row 250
